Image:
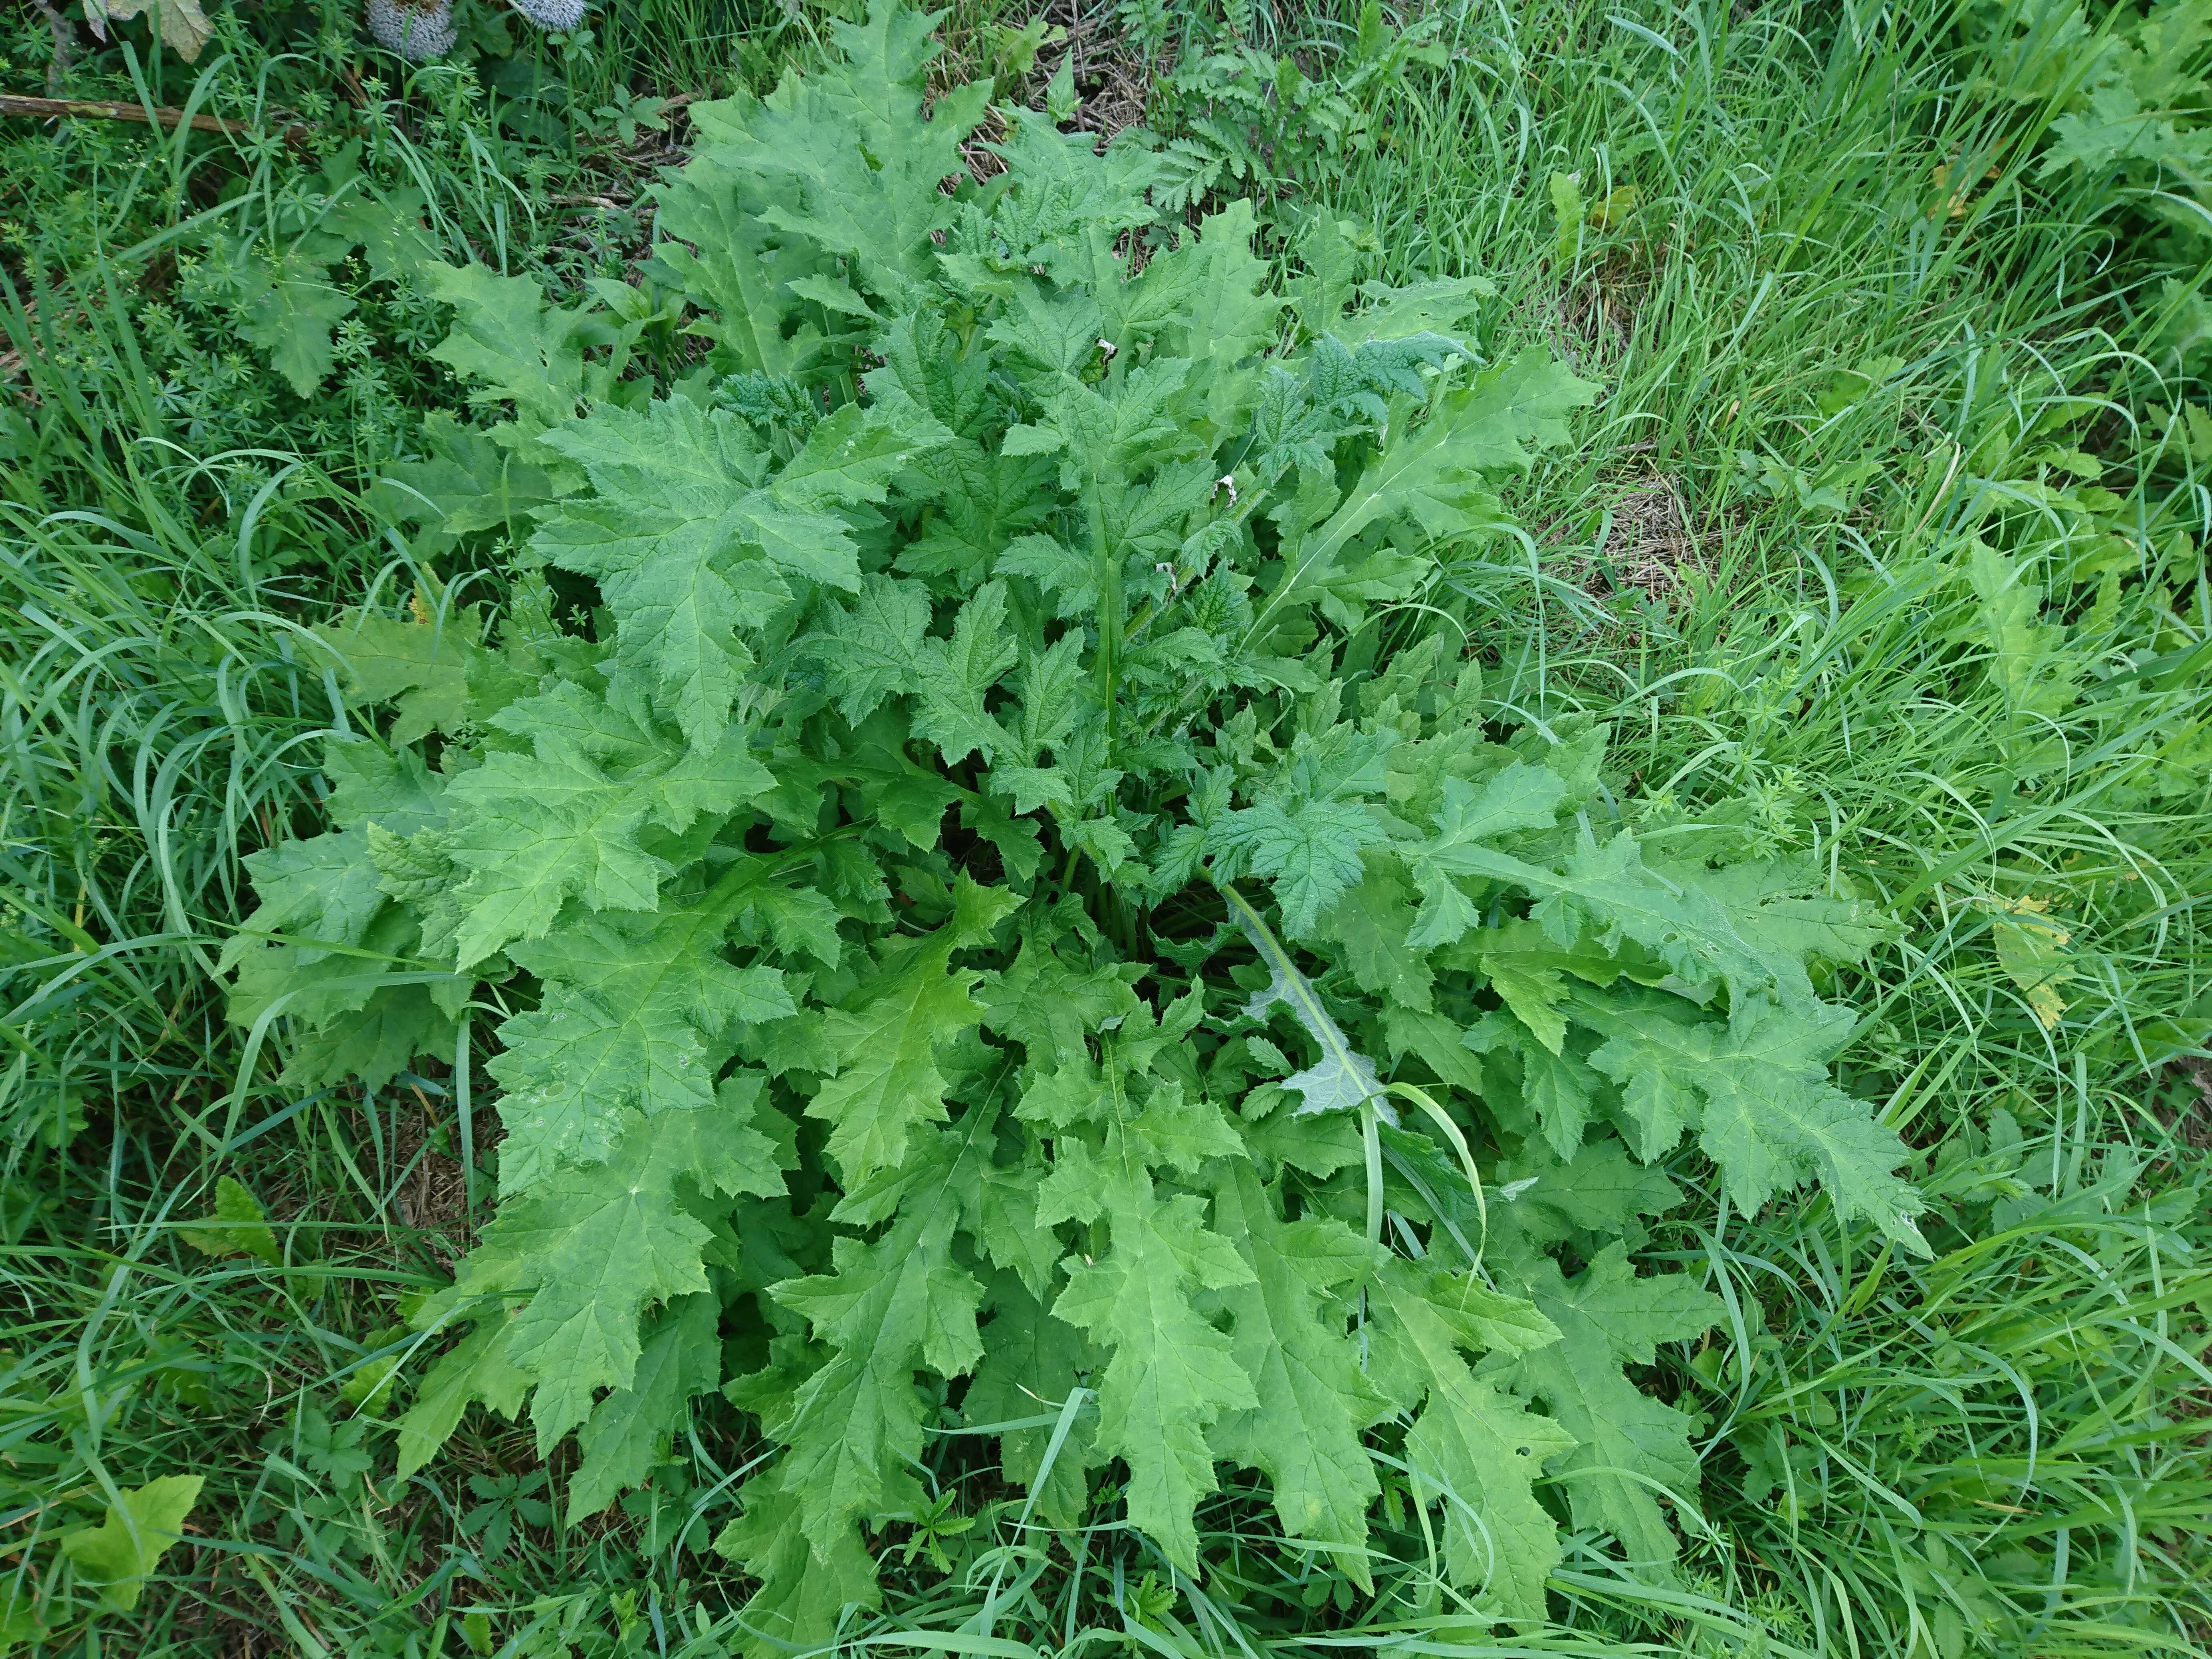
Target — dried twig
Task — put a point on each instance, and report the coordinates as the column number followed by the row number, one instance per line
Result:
column 104, row 109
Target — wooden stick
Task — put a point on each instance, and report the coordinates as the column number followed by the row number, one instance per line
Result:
column 103, row 109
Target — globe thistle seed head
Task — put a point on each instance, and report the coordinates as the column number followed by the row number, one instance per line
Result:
column 417, row 33
column 555, row 15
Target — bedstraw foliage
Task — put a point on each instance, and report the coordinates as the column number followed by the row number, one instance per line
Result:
column 1003, row 905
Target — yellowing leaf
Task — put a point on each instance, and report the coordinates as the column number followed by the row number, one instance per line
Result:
column 185, row 28
column 1619, row 202
column 118, row 1556
column 2032, row 950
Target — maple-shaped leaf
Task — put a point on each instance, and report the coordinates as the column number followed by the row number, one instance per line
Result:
column 1057, row 332
column 1561, row 1090
column 1534, row 994
column 1172, row 1374
column 1307, row 824
column 887, row 1307
column 1112, row 435
column 797, row 920
column 373, row 1043
column 473, row 1369
column 628, row 1019
column 1443, row 306
column 690, row 539
column 1064, row 193
column 326, row 891
column 1371, row 921
column 852, row 456
column 1437, row 475
column 1437, row 1040
column 1656, row 1050
column 872, row 644
column 1446, row 912
column 1071, row 1094
column 1557, row 1084
column 980, row 505
column 861, row 160
column 804, row 1595
column 530, row 830
column 465, row 481
column 1476, row 1444
column 1772, row 1116
column 317, row 893
column 887, row 1082
column 1629, row 1446
column 2031, row 948
column 1049, row 1006
column 1596, row 1195
column 2029, row 660
column 315, row 991
column 953, row 675
column 1050, row 688
column 628, row 1432
column 593, row 1247
column 1777, row 907
column 664, row 542
column 1288, row 1330
column 1177, row 1129
column 116, row 1557
column 1606, row 890
column 1522, row 797
column 1147, row 1121
column 1309, row 851
column 1154, row 522
column 735, row 268
column 1757, row 1089
column 927, row 360
column 2115, row 127
column 518, row 350
column 238, row 1227
column 373, row 783
column 1031, row 1362
column 876, row 646
column 422, row 666
column 1012, row 1237
column 1485, row 1320
column 1229, row 314
column 288, row 309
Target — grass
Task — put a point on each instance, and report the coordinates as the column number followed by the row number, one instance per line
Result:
column 1885, row 540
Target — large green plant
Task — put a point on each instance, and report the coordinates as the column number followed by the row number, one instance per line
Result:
column 983, row 931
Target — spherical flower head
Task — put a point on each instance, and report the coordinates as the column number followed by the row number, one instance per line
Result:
column 417, row 33
column 559, row 15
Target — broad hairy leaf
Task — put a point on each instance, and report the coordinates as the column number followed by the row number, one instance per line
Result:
column 1629, row 1446
column 887, row 1082
column 1477, row 1446
column 1288, row 1333
column 1172, row 1374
